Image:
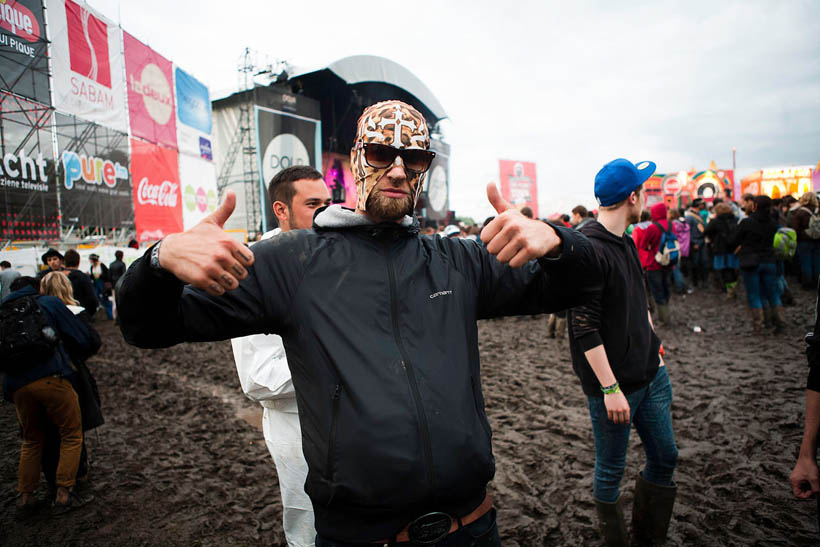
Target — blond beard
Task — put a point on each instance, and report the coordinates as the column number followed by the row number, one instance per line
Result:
column 385, row 208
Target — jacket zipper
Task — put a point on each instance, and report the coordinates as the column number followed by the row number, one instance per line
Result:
column 331, row 444
column 411, row 377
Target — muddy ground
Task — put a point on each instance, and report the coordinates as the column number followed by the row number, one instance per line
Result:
column 181, row 459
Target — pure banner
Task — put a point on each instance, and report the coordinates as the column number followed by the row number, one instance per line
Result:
column 283, row 140
column 28, row 199
column 518, row 185
column 150, row 93
column 87, row 64
column 93, row 175
column 194, row 121
column 199, row 195
column 23, row 49
column 157, row 196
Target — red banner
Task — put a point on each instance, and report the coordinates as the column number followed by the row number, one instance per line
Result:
column 157, row 196
column 150, row 93
column 518, row 185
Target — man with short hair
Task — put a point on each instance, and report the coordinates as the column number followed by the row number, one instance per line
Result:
column 84, row 291
column 7, row 276
column 296, row 193
column 393, row 424
column 617, row 356
column 580, row 216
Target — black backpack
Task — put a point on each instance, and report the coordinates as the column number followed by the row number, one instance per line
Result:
column 26, row 336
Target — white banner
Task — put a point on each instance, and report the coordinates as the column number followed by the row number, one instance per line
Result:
column 87, row 64
column 199, row 196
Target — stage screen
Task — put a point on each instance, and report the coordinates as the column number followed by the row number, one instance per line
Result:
column 518, row 184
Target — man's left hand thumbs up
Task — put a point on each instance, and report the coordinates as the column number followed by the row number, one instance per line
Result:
column 514, row 238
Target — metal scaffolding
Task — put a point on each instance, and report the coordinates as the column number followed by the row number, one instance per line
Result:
column 252, row 64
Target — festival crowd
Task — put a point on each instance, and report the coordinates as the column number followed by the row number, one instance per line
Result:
column 374, row 413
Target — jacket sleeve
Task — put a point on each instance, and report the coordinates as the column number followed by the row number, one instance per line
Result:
column 586, row 319
column 157, row 310
column 543, row 285
column 262, row 367
column 711, row 229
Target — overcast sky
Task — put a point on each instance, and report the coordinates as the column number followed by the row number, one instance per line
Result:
column 568, row 85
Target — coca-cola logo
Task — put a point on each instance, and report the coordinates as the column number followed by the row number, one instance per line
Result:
column 19, row 20
column 162, row 195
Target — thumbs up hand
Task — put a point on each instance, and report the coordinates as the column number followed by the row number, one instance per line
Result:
column 205, row 256
column 513, row 238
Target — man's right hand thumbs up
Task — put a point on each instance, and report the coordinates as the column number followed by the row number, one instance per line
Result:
column 514, row 238
column 205, row 256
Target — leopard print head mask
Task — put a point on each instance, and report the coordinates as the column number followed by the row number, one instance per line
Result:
column 391, row 123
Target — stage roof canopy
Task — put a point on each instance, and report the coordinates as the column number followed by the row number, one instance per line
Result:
column 359, row 70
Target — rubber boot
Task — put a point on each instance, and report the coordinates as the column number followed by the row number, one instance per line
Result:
column 551, row 325
column 768, row 322
column 778, row 319
column 611, row 521
column 663, row 314
column 757, row 320
column 652, row 511
column 560, row 327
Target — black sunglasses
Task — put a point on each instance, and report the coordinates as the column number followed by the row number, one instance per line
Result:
column 380, row 156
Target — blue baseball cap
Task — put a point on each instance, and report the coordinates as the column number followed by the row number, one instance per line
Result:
column 619, row 178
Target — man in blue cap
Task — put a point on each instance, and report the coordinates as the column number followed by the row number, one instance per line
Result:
column 621, row 369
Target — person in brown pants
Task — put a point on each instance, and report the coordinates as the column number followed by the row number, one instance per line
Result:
column 41, row 390
column 55, row 398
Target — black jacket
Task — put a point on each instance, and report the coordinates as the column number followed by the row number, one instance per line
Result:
column 755, row 235
column 116, row 270
column 616, row 317
column 84, row 291
column 379, row 326
column 721, row 231
column 75, row 339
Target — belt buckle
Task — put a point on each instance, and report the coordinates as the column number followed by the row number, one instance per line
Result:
column 430, row 528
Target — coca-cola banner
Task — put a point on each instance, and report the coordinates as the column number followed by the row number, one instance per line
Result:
column 518, row 185
column 87, row 64
column 194, row 123
column 150, row 93
column 28, row 199
column 157, row 196
column 23, row 49
column 93, row 175
column 199, row 195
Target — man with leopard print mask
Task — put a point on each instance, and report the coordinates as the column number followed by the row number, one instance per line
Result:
column 379, row 327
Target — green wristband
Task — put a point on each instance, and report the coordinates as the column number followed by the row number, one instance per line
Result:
column 609, row 390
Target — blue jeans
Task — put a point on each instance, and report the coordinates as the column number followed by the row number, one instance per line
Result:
column 99, row 288
column 761, row 285
column 677, row 277
column 808, row 253
column 659, row 281
column 650, row 411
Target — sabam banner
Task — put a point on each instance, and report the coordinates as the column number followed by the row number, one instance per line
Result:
column 28, row 202
column 157, row 196
column 150, row 93
column 199, row 195
column 93, row 175
column 518, row 185
column 195, row 123
column 283, row 140
column 23, row 51
column 438, row 182
column 87, row 64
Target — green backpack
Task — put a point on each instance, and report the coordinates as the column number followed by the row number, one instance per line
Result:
column 785, row 243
